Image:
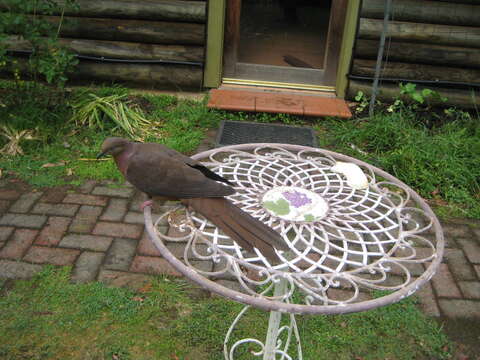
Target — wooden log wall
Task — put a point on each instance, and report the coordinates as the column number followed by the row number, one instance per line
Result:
column 160, row 43
column 434, row 42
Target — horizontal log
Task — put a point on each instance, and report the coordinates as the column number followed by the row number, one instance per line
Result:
column 170, row 10
column 395, row 70
column 466, row 36
column 389, row 92
column 420, row 53
column 178, row 77
column 430, row 12
column 120, row 49
column 143, row 31
column 475, row 2
column 155, row 76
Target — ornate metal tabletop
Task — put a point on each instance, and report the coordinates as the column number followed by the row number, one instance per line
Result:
column 345, row 239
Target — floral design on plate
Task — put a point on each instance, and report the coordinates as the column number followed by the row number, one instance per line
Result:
column 294, row 204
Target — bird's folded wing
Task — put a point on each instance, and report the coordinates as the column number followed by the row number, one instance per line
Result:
column 158, row 173
column 175, row 155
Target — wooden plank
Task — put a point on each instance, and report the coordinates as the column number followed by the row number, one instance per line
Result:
column 277, row 102
column 348, row 40
column 333, row 46
column 177, row 77
column 169, row 10
column 395, row 70
column 153, row 76
column 460, row 1
column 421, row 53
column 430, row 12
column 143, row 31
column 389, row 92
column 214, row 57
column 120, row 49
column 232, row 36
column 422, row 33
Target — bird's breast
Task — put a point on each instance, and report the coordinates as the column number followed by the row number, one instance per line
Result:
column 122, row 162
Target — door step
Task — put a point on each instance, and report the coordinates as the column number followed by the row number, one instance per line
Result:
column 278, row 102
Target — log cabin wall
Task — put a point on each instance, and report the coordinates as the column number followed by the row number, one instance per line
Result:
column 435, row 43
column 157, row 44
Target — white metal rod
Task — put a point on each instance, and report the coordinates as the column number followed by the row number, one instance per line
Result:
column 274, row 323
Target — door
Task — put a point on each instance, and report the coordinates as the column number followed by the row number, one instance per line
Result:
column 284, row 43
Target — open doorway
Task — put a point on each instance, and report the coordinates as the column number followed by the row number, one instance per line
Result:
column 294, row 42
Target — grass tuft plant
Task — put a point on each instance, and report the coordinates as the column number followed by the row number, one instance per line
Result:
column 14, row 137
column 94, row 111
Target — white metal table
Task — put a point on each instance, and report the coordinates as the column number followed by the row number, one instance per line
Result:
column 344, row 241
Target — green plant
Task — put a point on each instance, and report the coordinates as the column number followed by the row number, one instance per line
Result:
column 94, row 111
column 14, row 137
column 23, row 21
column 419, row 96
column 458, row 114
column 395, row 106
column 362, row 102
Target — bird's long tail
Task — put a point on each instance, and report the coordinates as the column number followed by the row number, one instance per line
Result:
column 247, row 231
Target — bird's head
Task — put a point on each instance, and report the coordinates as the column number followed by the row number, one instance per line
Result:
column 113, row 146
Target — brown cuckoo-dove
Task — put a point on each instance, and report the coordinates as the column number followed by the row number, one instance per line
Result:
column 160, row 171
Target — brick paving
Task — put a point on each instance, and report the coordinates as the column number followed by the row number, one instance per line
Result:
column 98, row 229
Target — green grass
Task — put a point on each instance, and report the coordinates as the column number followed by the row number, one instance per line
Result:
column 442, row 163
column 180, row 124
column 48, row 317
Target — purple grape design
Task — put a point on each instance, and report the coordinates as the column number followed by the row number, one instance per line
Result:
column 296, row 199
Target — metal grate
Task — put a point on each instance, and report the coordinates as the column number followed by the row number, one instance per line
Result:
column 240, row 132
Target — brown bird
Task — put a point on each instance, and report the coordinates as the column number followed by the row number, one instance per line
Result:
column 160, row 171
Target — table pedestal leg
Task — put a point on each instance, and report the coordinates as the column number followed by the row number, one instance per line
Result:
column 274, row 348
column 274, row 324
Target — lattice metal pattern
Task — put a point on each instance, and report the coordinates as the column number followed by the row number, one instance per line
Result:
column 364, row 239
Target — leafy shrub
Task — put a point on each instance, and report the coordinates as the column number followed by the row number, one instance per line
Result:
column 23, row 21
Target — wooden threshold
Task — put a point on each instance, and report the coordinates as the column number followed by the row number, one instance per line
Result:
column 287, row 102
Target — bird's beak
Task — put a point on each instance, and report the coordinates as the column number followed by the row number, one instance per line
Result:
column 102, row 154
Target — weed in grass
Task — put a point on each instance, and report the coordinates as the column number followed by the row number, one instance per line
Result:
column 286, row 119
column 48, row 317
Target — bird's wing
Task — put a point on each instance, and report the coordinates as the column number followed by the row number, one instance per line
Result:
column 156, row 172
column 187, row 160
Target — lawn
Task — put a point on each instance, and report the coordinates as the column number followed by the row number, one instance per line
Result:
column 48, row 317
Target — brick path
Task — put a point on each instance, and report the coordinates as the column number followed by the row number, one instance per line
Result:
column 98, row 229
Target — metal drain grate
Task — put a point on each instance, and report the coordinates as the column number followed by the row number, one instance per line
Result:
column 239, row 132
